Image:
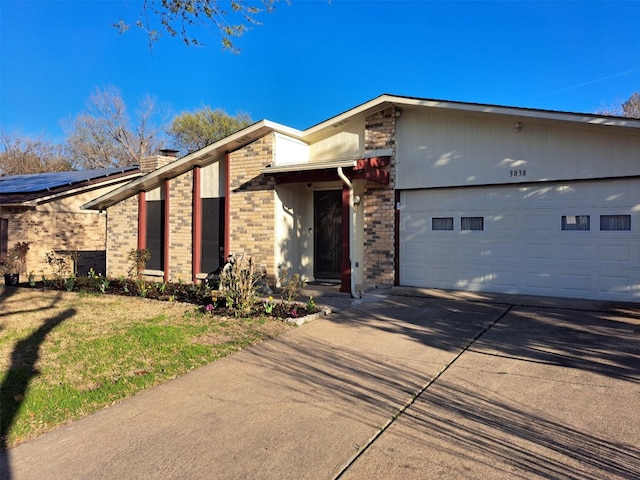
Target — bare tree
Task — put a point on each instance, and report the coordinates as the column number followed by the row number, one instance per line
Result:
column 104, row 135
column 21, row 154
column 181, row 19
column 629, row 109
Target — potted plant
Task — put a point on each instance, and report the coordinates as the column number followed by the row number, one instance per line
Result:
column 14, row 262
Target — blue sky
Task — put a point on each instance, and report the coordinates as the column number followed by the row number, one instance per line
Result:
column 311, row 60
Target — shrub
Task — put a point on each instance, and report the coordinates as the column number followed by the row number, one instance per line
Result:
column 15, row 260
column 60, row 269
column 138, row 259
column 238, row 283
column 291, row 287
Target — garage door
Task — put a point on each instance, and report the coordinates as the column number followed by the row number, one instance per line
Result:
column 579, row 240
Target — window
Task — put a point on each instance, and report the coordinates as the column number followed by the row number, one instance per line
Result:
column 212, row 234
column 576, row 222
column 4, row 236
column 212, row 201
column 442, row 223
column 155, row 228
column 615, row 222
column 472, row 223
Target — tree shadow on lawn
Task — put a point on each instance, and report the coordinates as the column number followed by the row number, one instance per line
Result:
column 12, row 294
column 5, row 295
column 16, row 382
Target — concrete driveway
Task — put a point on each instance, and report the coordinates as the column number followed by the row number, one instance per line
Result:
column 404, row 384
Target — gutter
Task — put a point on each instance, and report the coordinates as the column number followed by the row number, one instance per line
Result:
column 352, row 277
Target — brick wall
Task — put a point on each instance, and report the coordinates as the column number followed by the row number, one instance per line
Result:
column 122, row 235
column 122, row 231
column 78, row 236
column 252, row 209
column 180, row 227
column 153, row 162
column 252, row 204
column 379, row 205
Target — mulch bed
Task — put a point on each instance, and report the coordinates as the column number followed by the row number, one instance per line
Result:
column 208, row 300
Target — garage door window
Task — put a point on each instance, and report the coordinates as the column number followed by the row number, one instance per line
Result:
column 472, row 223
column 615, row 222
column 576, row 222
column 442, row 223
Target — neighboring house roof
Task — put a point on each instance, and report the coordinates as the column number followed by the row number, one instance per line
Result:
column 36, row 188
column 317, row 132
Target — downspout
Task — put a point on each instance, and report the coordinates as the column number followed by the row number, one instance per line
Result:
column 352, row 277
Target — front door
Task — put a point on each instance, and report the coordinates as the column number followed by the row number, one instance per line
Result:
column 327, row 207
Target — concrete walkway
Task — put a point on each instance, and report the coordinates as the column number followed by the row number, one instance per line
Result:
column 401, row 384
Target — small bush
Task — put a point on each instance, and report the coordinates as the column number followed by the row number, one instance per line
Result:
column 291, row 286
column 60, row 269
column 238, row 283
column 238, row 295
column 138, row 259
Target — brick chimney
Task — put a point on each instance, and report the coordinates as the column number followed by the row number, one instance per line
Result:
column 160, row 159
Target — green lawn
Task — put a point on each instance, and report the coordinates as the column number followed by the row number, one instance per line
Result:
column 65, row 355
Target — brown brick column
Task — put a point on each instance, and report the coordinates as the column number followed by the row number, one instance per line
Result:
column 379, row 205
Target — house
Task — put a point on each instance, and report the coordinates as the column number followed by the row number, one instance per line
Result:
column 44, row 210
column 402, row 191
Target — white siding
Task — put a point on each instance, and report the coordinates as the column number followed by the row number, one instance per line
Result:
column 213, row 180
column 439, row 149
column 346, row 143
column 289, row 151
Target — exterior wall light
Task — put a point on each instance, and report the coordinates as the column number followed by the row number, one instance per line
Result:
column 517, row 126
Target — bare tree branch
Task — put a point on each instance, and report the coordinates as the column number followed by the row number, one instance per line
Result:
column 104, row 136
column 629, row 109
column 182, row 19
column 22, row 154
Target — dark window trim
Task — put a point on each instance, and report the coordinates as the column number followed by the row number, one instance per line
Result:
column 441, row 220
column 471, row 226
column 624, row 222
column 582, row 223
column 212, row 211
column 156, row 226
column 4, row 236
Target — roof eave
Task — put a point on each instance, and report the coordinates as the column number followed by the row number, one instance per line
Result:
column 108, row 181
column 586, row 118
column 305, row 167
column 39, row 198
column 385, row 100
column 201, row 157
column 251, row 133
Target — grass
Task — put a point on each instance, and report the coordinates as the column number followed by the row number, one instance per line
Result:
column 65, row 355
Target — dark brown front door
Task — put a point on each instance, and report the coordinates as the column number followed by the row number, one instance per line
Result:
column 327, row 233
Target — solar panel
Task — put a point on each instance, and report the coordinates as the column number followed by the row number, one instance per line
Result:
column 40, row 182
